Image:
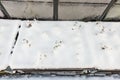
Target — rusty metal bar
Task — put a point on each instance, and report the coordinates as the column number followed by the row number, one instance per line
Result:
column 2, row 8
column 55, row 9
column 60, row 72
column 107, row 10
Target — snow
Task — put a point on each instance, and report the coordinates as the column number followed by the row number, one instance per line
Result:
column 8, row 30
column 61, row 44
column 67, row 44
column 60, row 78
column 43, row 45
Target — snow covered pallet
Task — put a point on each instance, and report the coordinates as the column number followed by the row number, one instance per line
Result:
column 59, row 47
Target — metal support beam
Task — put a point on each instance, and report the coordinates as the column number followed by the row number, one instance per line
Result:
column 55, row 9
column 102, row 17
column 2, row 8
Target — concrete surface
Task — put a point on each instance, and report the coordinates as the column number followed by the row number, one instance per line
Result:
column 88, row 1
column 1, row 14
column 29, row 9
column 68, row 9
column 114, row 13
column 118, row 1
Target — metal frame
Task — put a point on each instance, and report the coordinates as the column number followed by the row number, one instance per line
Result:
column 55, row 11
column 102, row 17
column 2, row 8
column 60, row 72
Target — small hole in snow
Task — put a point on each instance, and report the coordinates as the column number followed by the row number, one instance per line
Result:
column 103, row 48
column 19, row 26
column 97, row 23
column 61, row 41
column 26, row 41
column 45, row 55
column 72, row 29
column 102, row 30
column 11, row 52
column 29, row 25
column 40, row 58
column 75, row 23
column 77, row 53
column 79, row 26
column 29, row 45
column 110, row 30
column 56, row 46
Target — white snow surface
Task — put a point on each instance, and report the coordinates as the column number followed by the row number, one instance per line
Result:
column 8, row 30
column 64, row 44
column 62, row 78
